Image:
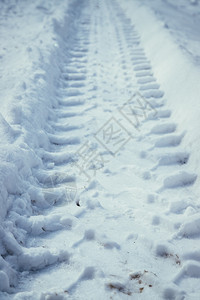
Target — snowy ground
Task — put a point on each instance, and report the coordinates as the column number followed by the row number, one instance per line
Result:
column 99, row 149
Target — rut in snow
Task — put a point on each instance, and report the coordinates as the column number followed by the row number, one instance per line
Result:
column 100, row 72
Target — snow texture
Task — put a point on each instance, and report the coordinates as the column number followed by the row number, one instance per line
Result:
column 99, row 150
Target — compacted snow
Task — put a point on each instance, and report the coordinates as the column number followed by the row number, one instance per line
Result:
column 99, row 149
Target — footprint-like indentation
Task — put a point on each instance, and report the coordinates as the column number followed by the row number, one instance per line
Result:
column 57, row 158
column 137, row 51
column 86, row 42
column 53, row 178
column 64, row 115
column 84, row 50
column 37, row 225
column 193, row 255
column 159, row 114
column 88, row 236
column 78, row 61
column 153, row 94
column 144, row 74
column 77, row 65
column 146, row 80
column 151, row 198
column 179, row 158
column 180, row 179
column 190, row 228
column 163, row 251
column 87, row 274
column 37, row 258
column 66, row 127
column 163, row 128
column 190, row 269
column 71, row 102
column 72, row 92
column 142, row 67
column 172, row 292
column 93, row 204
column 147, row 175
column 131, row 43
column 77, row 54
column 152, row 86
column 180, row 206
column 78, row 77
column 132, row 37
column 57, row 194
column 140, row 62
column 169, row 141
column 111, row 245
column 71, row 70
column 77, row 84
column 139, row 57
column 155, row 220
column 63, row 140
column 157, row 103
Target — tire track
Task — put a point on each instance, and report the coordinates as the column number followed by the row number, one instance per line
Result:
column 64, row 139
column 169, row 157
column 152, row 93
column 100, row 71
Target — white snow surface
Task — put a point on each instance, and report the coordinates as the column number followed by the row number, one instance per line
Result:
column 99, row 148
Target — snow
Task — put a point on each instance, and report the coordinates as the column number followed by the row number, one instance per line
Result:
column 99, row 185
